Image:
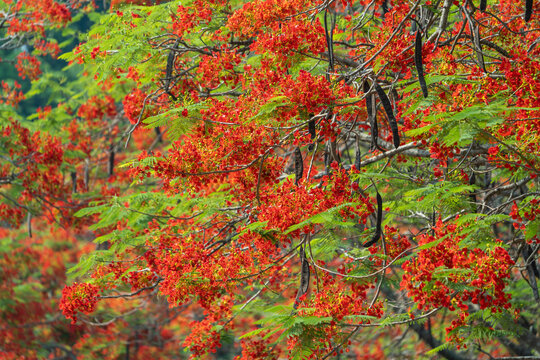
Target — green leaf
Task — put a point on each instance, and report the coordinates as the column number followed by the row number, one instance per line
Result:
column 327, row 217
column 91, row 210
column 532, row 229
column 311, row 320
column 178, row 124
column 30, row 291
column 420, row 131
column 252, row 333
column 438, row 349
column 270, row 107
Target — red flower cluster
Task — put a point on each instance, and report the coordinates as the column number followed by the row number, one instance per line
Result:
column 28, row 66
column 203, row 339
column 336, row 299
column 36, row 160
column 95, row 108
column 120, row 272
column 448, row 275
column 291, row 38
column 255, row 349
column 289, row 204
column 11, row 95
column 218, row 68
column 257, row 15
column 133, row 104
column 396, row 244
column 312, row 92
column 210, row 151
column 79, row 297
column 37, row 15
column 43, row 48
column 186, row 18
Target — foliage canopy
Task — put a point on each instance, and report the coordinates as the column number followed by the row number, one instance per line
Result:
column 269, row 179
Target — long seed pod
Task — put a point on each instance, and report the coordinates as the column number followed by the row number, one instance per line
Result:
column 170, row 65
column 532, row 271
column 487, row 180
column 374, row 134
column 358, row 158
column 527, row 253
column 483, row 5
column 169, row 69
column 29, row 223
column 384, row 9
column 86, row 174
column 304, row 280
column 304, row 277
column 472, row 195
column 413, row 27
column 312, row 133
column 311, row 129
column 298, row 164
column 73, row 175
column 389, row 113
column 326, row 158
column 158, row 134
column 372, row 118
column 528, row 10
column 418, row 63
column 329, row 44
column 111, row 163
column 369, row 100
column 378, row 230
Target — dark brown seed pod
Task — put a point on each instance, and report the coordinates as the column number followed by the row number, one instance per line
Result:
column 86, row 174
column 418, row 63
column 378, row 230
column 298, row 164
column 374, row 134
column 369, row 100
column 372, row 118
column 384, row 8
column 170, row 67
column 326, row 158
column 73, row 175
column 304, row 277
column 527, row 253
column 29, row 223
column 311, row 129
column 312, row 132
column 483, row 5
column 358, row 158
column 532, row 270
column 472, row 181
column 304, row 280
column 389, row 113
column 111, row 163
column 528, row 10
column 158, row 134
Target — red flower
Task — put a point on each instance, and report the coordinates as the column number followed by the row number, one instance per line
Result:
column 494, row 150
column 78, row 297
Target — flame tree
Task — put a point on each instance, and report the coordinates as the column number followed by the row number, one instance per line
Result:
column 324, row 180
